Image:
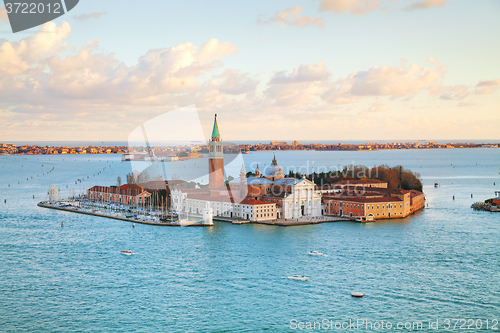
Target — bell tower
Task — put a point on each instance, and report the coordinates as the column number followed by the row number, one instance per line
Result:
column 215, row 159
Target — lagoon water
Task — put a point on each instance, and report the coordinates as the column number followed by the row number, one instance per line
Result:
column 441, row 263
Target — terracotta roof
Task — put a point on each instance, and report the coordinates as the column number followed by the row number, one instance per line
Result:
column 122, row 190
column 250, row 201
column 415, row 193
column 363, row 199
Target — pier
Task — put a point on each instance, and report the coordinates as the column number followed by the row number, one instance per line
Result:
column 95, row 213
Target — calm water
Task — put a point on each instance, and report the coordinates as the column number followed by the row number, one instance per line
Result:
column 441, row 263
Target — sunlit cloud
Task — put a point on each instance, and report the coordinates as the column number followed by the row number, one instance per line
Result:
column 3, row 15
column 293, row 16
column 485, row 87
column 356, row 7
column 426, row 4
column 84, row 17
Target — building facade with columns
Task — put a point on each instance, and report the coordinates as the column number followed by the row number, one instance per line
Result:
column 294, row 198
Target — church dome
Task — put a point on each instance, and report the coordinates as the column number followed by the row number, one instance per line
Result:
column 274, row 171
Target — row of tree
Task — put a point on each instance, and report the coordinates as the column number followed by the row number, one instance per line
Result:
column 396, row 177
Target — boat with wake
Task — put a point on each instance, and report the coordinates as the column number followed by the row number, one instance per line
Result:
column 297, row 277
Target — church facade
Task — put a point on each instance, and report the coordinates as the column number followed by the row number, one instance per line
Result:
column 294, row 198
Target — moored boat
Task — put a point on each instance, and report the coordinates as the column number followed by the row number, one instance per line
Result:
column 363, row 219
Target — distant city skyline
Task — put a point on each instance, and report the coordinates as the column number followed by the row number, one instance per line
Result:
column 309, row 70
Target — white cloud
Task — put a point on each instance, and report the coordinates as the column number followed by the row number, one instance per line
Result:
column 394, row 81
column 36, row 72
column 377, row 106
column 298, row 88
column 356, row 7
column 84, row 17
column 296, row 94
column 426, row 4
column 236, row 83
column 292, row 16
column 213, row 49
column 455, row 92
column 465, row 104
column 303, row 73
column 485, row 87
column 3, row 15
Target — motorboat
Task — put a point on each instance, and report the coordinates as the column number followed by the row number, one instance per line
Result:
column 436, row 184
column 315, row 253
column 357, row 295
column 363, row 219
column 127, row 253
column 297, row 277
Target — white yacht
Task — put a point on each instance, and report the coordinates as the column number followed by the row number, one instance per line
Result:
column 297, row 277
column 315, row 253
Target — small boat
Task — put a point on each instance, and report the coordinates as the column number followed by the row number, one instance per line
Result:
column 315, row 253
column 127, row 253
column 436, row 184
column 297, row 277
column 368, row 218
column 356, row 294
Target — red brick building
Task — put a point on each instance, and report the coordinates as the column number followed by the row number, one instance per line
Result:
column 374, row 202
column 126, row 194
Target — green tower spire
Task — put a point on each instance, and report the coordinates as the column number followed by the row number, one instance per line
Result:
column 215, row 132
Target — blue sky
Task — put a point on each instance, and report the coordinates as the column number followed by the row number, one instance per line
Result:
column 310, row 70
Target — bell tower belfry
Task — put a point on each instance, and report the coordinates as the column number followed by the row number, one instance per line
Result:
column 215, row 159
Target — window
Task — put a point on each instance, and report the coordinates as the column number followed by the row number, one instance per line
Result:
column 378, row 206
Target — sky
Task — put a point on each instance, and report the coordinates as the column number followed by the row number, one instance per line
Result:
column 271, row 70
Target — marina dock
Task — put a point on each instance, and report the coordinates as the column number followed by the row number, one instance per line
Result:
column 94, row 213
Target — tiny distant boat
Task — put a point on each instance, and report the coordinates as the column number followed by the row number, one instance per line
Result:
column 127, row 253
column 436, row 184
column 315, row 253
column 356, row 294
column 297, row 277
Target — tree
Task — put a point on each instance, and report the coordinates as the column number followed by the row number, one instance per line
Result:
column 229, row 179
column 130, row 178
column 119, row 181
